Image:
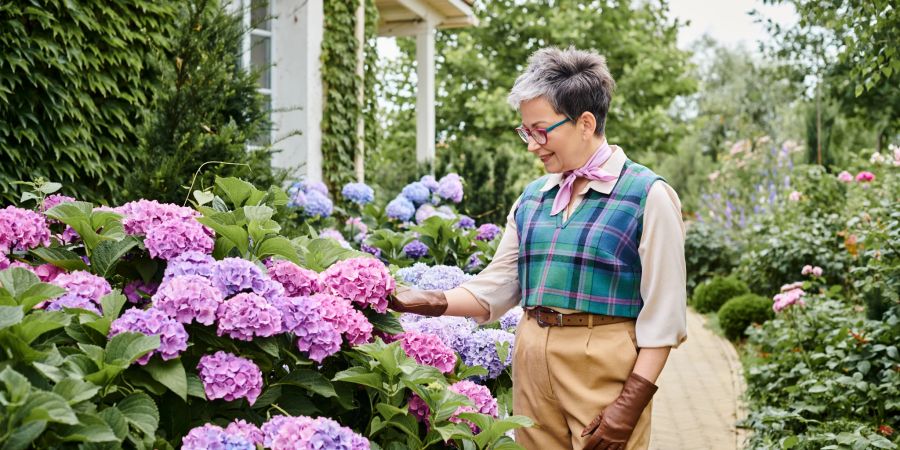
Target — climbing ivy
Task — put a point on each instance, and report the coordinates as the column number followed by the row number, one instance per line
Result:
column 340, row 84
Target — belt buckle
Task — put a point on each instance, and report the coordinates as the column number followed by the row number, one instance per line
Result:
column 542, row 324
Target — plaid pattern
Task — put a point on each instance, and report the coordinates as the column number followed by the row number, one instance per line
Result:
column 590, row 262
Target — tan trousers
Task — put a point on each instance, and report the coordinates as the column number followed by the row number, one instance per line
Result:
column 564, row 376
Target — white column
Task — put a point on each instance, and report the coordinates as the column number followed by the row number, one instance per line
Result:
column 360, row 162
column 297, row 97
column 425, row 116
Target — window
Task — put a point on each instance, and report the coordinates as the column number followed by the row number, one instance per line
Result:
column 257, row 53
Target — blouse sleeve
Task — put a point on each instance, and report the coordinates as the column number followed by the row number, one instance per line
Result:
column 497, row 286
column 662, row 321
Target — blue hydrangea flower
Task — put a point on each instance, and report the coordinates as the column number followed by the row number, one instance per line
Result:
column 480, row 349
column 442, row 278
column 510, row 320
column 412, row 274
column 430, row 182
column 400, row 208
column 416, row 192
column 317, row 205
column 450, row 188
column 415, row 249
column 358, row 193
column 315, row 186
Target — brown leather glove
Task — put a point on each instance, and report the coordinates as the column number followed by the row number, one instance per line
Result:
column 416, row 301
column 612, row 428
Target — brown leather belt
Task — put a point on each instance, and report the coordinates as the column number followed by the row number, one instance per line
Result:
column 547, row 317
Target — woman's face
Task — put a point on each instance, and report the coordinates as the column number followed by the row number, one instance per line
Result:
column 565, row 147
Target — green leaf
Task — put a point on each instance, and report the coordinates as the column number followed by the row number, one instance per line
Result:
column 387, row 322
column 38, row 293
column 112, row 304
column 16, row 385
column 360, row 375
column 49, row 407
column 78, row 216
column 235, row 189
column 790, row 442
column 40, row 322
column 258, row 213
column 171, row 374
column 91, row 428
column 310, row 380
column 235, row 234
column 203, row 197
column 108, row 253
column 278, row 245
column 23, row 435
column 141, row 412
column 61, row 258
column 116, row 421
column 49, row 188
column 124, row 349
column 195, row 386
column 75, row 390
column 10, row 315
column 17, row 280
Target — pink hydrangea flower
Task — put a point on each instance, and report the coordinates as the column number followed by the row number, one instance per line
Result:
column 795, row 196
column 213, row 437
column 22, row 230
column 365, row 281
column 845, row 177
column 48, row 272
column 865, row 176
column 303, row 316
column 176, row 236
column 481, row 397
column 306, row 433
column 230, row 377
column 346, row 320
column 296, row 280
column 806, row 270
column 428, row 349
column 142, row 215
column 248, row 315
column 248, row 430
column 83, row 284
column 817, row 271
column 186, row 298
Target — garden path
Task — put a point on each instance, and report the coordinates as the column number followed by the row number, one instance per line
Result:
column 699, row 397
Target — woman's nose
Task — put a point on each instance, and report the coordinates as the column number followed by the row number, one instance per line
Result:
column 533, row 146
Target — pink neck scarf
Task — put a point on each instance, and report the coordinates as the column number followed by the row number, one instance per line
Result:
column 590, row 170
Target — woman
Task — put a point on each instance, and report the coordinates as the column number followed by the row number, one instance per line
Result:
column 594, row 252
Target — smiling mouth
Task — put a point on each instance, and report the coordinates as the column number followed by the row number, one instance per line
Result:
column 546, row 158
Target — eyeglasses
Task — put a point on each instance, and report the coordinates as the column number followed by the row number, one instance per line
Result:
column 538, row 134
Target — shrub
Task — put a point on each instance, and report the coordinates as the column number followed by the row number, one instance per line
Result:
column 739, row 312
column 710, row 296
column 707, row 253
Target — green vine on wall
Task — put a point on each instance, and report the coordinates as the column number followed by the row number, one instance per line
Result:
column 340, row 84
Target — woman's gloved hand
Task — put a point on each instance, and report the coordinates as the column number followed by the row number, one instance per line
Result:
column 417, row 301
column 612, row 428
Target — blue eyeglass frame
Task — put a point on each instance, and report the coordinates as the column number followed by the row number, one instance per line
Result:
column 538, row 134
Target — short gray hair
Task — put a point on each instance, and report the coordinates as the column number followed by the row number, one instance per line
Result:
column 572, row 81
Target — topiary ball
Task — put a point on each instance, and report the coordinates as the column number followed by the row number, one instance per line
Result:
column 711, row 295
column 738, row 313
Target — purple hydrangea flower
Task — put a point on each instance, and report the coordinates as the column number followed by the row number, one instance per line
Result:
column 233, row 275
column 480, row 349
column 331, row 233
column 48, row 272
column 315, row 336
column 450, row 188
column 359, row 193
column 298, row 199
column 465, row 222
column 189, row 263
column 213, row 437
column 296, row 280
column 247, row 315
column 475, row 262
column 416, row 192
column 249, row 431
column 84, row 284
column 400, row 209
column 442, row 278
column 176, row 236
column 375, row 251
column 230, row 377
column 55, row 199
column 510, row 320
column 415, row 249
column 428, row 349
column 357, row 227
column 305, row 433
column 73, row 301
column 172, row 336
column 425, row 212
column 487, row 232
column 135, row 290
column 365, row 281
column 454, row 331
column 317, row 205
column 187, row 298
column 142, row 215
column 430, row 182
column 21, row 230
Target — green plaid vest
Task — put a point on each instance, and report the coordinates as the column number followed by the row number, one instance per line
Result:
column 590, row 262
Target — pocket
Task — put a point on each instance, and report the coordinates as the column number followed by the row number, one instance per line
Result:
column 632, row 340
